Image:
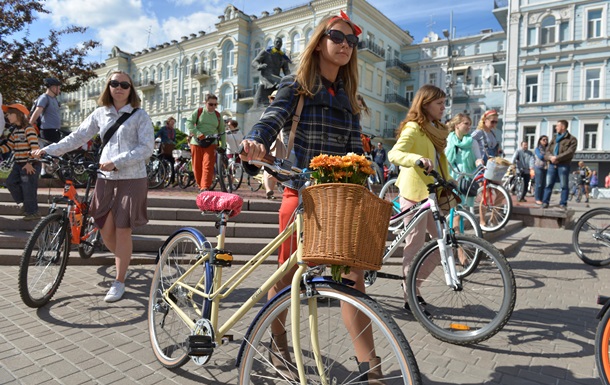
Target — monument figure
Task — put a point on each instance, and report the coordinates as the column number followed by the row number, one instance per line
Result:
column 270, row 62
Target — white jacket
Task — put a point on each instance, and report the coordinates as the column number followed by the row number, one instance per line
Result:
column 129, row 148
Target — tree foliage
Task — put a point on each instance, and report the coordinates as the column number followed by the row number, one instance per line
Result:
column 25, row 63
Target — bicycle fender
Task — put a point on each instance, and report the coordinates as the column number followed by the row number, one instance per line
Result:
column 603, row 310
column 196, row 233
column 246, row 339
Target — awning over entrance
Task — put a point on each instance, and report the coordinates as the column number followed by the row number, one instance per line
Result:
column 459, row 68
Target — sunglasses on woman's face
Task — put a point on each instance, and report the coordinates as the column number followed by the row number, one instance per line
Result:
column 116, row 83
column 338, row 37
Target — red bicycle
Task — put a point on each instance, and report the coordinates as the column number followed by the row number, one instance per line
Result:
column 46, row 253
column 492, row 204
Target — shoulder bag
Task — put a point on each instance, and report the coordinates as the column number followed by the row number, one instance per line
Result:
column 113, row 129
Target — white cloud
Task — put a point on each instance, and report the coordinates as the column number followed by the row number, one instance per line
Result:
column 174, row 28
column 94, row 14
column 129, row 35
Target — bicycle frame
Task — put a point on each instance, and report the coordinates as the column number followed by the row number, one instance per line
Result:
column 217, row 290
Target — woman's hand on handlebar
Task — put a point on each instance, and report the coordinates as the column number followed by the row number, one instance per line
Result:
column 426, row 164
column 36, row 154
column 252, row 150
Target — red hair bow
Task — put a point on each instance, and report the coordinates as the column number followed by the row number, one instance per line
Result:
column 344, row 17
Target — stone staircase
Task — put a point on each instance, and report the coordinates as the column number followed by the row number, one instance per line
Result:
column 247, row 233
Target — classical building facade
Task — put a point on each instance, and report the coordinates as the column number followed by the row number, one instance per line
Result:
column 173, row 78
column 558, row 68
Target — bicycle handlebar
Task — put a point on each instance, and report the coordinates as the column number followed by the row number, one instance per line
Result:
column 90, row 167
column 275, row 165
column 440, row 181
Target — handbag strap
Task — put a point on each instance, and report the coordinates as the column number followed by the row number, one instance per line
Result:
column 296, row 117
column 108, row 135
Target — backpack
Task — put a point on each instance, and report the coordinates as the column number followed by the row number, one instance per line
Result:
column 200, row 110
column 38, row 122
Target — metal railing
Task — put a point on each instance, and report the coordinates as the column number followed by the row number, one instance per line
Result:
column 399, row 64
column 374, row 48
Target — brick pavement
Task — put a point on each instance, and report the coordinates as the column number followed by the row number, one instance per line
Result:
column 77, row 338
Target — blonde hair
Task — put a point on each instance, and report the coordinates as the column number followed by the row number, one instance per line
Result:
column 105, row 98
column 486, row 115
column 309, row 67
column 456, row 120
column 365, row 109
column 425, row 95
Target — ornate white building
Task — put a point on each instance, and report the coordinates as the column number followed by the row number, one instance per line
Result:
column 173, row 78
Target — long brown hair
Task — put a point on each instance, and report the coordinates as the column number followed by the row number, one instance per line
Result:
column 309, row 67
column 426, row 94
column 105, row 98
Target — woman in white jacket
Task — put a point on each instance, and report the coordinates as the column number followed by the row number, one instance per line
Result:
column 119, row 199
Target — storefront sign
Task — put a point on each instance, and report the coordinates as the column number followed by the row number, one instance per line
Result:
column 597, row 156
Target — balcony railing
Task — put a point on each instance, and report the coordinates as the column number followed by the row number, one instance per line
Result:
column 200, row 73
column 245, row 94
column 398, row 68
column 146, row 85
column 371, row 50
column 397, row 100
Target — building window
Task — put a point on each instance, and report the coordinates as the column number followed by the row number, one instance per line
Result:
column 497, row 79
column 592, row 80
column 308, row 35
column 529, row 135
column 477, row 49
column 432, row 79
column 531, row 89
column 175, row 70
column 594, row 23
column 368, row 80
column 167, row 72
column 561, row 86
column 547, row 30
column 296, row 43
column 564, row 32
column 478, row 78
column 409, row 94
column 531, row 36
column 590, row 137
column 257, row 49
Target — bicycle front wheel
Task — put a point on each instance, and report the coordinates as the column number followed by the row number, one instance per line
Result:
column 44, row 260
column 327, row 309
column 476, row 310
column 390, row 193
column 464, row 222
column 255, row 182
column 494, row 207
column 169, row 332
column 591, row 237
column 602, row 348
column 235, row 174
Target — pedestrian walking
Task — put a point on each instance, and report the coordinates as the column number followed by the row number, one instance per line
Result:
column 540, row 167
column 559, row 155
column 120, row 197
column 523, row 159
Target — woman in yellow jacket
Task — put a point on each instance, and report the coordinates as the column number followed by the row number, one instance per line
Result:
column 423, row 137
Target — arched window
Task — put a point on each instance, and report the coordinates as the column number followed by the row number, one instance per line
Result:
column 195, row 64
column 153, row 73
column 296, row 43
column 175, row 70
column 226, row 97
column 213, row 62
column 257, row 49
column 268, row 43
column 167, row 72
column 548, row 30
column 227, row 59
column 308, row 35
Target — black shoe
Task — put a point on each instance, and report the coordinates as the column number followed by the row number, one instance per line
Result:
column 270, row 195
column 522, row 200
column 545, row 205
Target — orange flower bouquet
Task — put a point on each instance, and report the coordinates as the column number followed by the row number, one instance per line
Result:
column 333, row 212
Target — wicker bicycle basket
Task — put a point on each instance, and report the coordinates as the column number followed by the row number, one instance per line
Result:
column 344, row 224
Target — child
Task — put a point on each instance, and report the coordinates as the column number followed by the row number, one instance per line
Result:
column 22, row 182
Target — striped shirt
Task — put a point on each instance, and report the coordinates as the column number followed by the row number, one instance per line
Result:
column 21, row 142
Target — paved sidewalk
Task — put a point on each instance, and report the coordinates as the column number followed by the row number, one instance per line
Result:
column 79, row 339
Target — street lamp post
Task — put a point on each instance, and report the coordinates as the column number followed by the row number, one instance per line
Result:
column 448, row 76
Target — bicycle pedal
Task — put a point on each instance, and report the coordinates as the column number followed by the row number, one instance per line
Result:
column 200, row 345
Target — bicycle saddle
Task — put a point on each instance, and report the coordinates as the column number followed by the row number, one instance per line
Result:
column 217, row 201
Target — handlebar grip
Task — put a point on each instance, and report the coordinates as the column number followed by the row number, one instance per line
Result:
column 419, row 163
column 267, row 158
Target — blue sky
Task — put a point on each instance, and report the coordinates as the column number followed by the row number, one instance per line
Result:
column 133, row 25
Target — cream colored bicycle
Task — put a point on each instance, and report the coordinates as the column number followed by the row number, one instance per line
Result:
column 187, row 292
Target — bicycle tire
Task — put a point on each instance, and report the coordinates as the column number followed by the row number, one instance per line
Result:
column 519, row 187
column 169, row 170
column 591, row 233
column 336, row 347
column 390, row 193
column 602, row 348
column 255, row 182
column 167, row 331
column 473, row 313
column 44, row 260
column 87, row 246
column 467, row 223
column 221, row 173
column 155, row 172
column 236, row 175
column 494, row 211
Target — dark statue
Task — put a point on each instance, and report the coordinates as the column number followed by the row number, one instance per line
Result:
column 270, row 61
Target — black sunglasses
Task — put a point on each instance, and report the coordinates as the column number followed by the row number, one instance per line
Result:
column 338, row 37
column 116, row 83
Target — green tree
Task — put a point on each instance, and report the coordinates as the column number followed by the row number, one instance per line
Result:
column 25, row 63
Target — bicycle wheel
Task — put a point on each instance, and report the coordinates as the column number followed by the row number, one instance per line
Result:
column 155, row 172
column 390, row 193
column 222, row 173
column 493, row 205
column 336, row 346
column 473, row 312
column 519, row 186
column 44, row 260
column 90, row 238
column 591, row 237
column 169, row 170
column 255, row 182
column 236, row 174
column 167, row 331
column 602, row 348
column 79, row 173
column 464, row 222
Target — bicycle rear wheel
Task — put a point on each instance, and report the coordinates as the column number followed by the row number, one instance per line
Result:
column 168, row 332
column 602, row 348
column 494, row 206
column 326, row 307
column 472, row 313
column 255, row 182
column 236, row 174
column 591, row 237
column 90, row 238
column 221, row 173
column 44, row 260
column 390, row 193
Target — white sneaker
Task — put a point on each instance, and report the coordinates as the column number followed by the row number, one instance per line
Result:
column 116, row 292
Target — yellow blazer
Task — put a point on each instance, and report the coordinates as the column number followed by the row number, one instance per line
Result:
column 412, row 145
